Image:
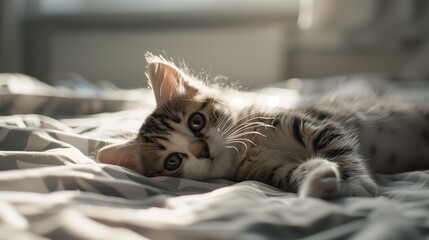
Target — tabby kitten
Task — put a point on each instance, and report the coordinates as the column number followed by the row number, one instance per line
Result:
column 316, row 149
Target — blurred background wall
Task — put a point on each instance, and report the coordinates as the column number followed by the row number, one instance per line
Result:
column 246, row 41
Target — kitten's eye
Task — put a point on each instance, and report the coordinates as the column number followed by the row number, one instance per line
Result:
column 173, row 161
column 196, row 121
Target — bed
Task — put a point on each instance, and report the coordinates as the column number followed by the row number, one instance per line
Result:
column 52, row 188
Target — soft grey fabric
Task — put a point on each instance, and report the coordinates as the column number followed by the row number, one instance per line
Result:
column 51, row 188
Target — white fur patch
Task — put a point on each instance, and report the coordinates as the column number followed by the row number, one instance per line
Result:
column 323, row 180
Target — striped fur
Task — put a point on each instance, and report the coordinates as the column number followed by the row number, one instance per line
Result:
column 316, row 149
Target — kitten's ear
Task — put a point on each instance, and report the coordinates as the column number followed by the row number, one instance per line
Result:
column 125, row 155
column 168, row 81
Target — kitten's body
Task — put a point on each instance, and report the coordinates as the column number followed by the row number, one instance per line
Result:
column 387, row 134
column 317, row 148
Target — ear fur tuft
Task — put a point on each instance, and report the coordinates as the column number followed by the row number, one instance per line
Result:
column 167, row 80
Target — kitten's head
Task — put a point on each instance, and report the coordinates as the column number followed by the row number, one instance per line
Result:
column 184, row 136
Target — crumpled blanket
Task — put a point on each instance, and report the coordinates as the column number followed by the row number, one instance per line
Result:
column 52, row 188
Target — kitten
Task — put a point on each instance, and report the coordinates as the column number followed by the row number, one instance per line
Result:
column 316, row 149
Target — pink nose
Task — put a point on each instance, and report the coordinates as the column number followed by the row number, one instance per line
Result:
column 200, row 149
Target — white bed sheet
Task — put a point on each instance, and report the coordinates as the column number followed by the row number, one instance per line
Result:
column 51, row 187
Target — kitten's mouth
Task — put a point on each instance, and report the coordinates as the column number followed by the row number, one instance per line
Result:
column 213, row 159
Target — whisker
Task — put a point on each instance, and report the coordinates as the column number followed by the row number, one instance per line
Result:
column 242, row 128
column 241, row 118
column 251, row 119
column 236, row 149
column 240, row 142
column 250, row 132
column 243, row 139
column 222, row 126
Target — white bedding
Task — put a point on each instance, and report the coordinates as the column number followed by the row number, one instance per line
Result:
column 51, row 188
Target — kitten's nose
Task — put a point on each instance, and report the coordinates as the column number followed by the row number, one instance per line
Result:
column 204, row 153
column 200, row 149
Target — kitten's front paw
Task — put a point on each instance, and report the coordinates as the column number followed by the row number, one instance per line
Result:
column 322, row 182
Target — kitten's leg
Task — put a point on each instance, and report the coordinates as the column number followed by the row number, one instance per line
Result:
column 321, row 178
column 337, row 170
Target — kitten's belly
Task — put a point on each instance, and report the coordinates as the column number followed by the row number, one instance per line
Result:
column 395, row 145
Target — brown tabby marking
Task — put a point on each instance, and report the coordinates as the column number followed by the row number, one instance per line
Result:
column 314, row 148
